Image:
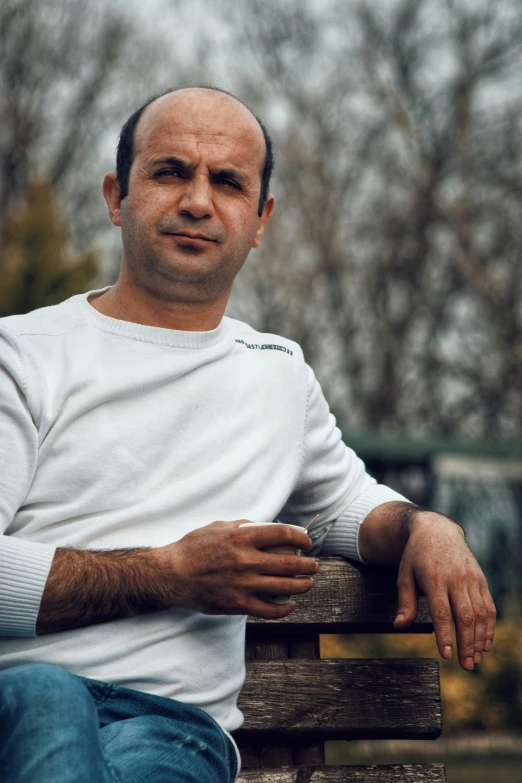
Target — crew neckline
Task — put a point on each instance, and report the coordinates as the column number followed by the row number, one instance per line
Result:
column 175, row 338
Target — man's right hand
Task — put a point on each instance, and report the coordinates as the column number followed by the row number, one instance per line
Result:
column 222, row 569
column 217, row 569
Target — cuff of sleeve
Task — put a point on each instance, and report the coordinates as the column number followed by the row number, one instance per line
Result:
column 343, row 536
column 24, row 568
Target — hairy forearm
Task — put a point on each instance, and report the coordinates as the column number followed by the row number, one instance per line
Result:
column 386, row 530
column 220, row 568
column 87, row 587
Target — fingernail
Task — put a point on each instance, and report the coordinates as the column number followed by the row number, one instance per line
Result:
column 468, row 664
column 447, row 651
column 400, row 617
column 476, row 657
column 487, row 645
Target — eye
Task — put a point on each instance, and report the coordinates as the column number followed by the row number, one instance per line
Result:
column 230, row 183
column 170, row 172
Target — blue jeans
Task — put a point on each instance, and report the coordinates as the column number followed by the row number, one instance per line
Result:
column 59, row 728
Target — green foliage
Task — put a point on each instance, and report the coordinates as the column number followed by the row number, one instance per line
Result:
column 36, row 265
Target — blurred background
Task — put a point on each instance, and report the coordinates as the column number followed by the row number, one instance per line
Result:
column 393, row 258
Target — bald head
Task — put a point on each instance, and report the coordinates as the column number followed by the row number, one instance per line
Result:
column 202, row 102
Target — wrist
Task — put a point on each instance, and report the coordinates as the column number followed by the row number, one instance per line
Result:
column 169, row 576
column 418, row 515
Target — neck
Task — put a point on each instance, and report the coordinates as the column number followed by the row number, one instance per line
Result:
column 126, row 302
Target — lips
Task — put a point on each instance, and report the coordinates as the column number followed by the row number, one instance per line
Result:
column 193, row 236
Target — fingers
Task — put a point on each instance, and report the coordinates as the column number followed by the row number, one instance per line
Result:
column 407, row 611
column 285, row 565
column 459, row 607
column 473, row 613
column 491, row 617
column 260, row 608
column 271, row 586
column 479, row 612
column 485, row 618
column 257, row 607
column 464, row 618
column 276, row 534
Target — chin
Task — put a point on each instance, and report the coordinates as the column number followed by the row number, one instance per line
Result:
column 172, row 286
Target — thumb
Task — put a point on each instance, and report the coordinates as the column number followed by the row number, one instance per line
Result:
column 407, row 611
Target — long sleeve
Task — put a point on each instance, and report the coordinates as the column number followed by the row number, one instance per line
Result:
column 333, row 483
column 24, row 565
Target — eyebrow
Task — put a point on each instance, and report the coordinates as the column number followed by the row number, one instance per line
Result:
column 183, row 164
column 172, row 161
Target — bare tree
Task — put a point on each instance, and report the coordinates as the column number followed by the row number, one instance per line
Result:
column 394, row 257
column 69, row 71
column 69, row 74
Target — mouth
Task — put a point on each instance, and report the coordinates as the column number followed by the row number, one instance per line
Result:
column 192, row 237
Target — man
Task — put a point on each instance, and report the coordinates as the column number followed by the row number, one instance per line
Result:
column 134, row 417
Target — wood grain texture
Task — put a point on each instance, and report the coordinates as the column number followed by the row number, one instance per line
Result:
column 276, row 648
column 396, row 773
column 260, row 754
column 309, row 755
column 341, row 699
column 347, row 598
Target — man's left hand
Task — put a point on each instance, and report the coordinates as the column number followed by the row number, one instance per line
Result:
column 436, row 559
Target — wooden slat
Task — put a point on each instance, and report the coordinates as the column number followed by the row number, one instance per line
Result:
column 309, row 754
column 341, row 699
column 272, row 650
column 396, row 773
column 346, row 598
column 276, row 648
column 304, row 647
column 287, row 752
column 262, row 755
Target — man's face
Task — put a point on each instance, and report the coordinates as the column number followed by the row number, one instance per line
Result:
column 190, row 216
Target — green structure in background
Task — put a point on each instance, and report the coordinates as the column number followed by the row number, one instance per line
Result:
column 478, row 483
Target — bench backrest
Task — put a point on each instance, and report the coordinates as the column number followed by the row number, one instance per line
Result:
column 293, row 700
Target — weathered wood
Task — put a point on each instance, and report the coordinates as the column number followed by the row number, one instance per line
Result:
column 263, row 754
column 282, row 753
column 346, row 598
column 304, row 647
column 273, row 754
column 293, row 700
column 278, row 754
column 309, row 754
column 342, row 699
column 396, row 773
column 273, row 650
column 250, row 755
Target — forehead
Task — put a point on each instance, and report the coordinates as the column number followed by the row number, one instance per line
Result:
column 202, row 123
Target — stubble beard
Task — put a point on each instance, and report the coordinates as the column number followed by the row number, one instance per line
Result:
column 167, row 281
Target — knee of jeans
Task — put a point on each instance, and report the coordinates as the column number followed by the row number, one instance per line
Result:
column 40, row 686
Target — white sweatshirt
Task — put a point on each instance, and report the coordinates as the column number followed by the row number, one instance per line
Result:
column 114, row 435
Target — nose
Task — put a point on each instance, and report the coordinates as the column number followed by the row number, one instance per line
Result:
column 196, row 198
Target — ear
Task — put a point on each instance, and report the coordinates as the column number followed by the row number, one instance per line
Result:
column 111, row 194
column 266, row 214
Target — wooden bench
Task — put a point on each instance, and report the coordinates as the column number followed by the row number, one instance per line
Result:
column 293, row 700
